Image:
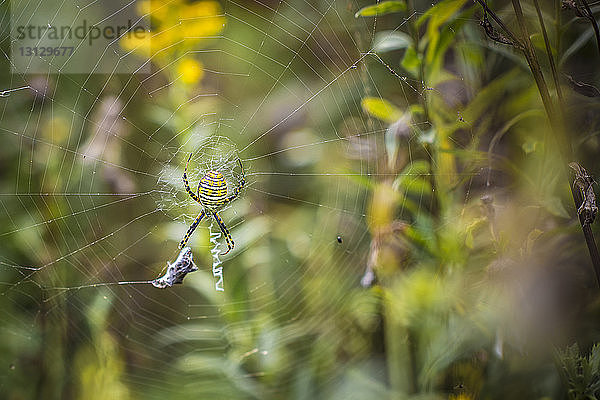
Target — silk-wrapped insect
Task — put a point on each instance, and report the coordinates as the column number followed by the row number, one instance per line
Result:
column 183, row 265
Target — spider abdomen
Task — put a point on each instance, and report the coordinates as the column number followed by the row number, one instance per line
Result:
column 212, row 189
column 212, row 195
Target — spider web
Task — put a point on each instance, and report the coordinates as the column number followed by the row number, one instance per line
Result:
column 215, row 153
column 93, row 202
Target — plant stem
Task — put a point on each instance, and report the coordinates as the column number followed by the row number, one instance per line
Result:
column 593, row 22
column 549, row 52
column 557, row 125
column 557, row 22
column 588, row 234
column 531, row 58
column 401, row 359
column 414, row 31
column 512, row 36
column 554, row 76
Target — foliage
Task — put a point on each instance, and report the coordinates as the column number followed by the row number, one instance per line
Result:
column 461, row 221
column 383, row 8
column 581, row 373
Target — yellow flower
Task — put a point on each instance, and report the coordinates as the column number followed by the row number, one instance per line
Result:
column 157, row 9
column 139, row 43
column 190, row 71
column 461, row 396
column 178, row 28
column 203, row 9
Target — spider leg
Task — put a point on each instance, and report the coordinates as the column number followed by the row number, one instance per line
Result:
column 187, row 184
column 238, row 188
column 225, row 231
column 191, row 229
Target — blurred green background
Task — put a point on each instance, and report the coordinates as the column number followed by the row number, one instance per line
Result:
column 407, row 230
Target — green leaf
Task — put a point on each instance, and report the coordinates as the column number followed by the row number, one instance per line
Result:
column 416, row 110
column 411, row 62
column 413, row 179
column 416, row 185
column 419, row 167
column 471, row 228
column 383, row 8
column 391, row 40
column 381, row 109
column 441, row 12
column 538, row 41
column 577, row 44
column 487, row 97
column 438, row 16
column 555, row 207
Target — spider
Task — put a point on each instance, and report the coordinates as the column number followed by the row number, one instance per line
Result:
column 212, row 196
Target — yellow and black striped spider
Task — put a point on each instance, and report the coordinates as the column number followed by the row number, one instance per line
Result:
column 212, row 196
